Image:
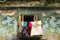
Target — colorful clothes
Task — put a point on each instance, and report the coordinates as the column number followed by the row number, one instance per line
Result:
column 30, row 25
column 24, row 31
column 22, row 23
column 36, row 22
column 25, row 24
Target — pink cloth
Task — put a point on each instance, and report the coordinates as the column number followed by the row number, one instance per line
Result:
column 30, row 25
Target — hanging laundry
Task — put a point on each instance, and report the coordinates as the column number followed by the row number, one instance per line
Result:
column 36, row 31
column 36, row 28
column 22, row 23
column 29, row 27
column 24, row 31
column 40, row 23
column 29, row 31
column 33, row 24
column 29, row 24
column 37, row 23
column 25, row 24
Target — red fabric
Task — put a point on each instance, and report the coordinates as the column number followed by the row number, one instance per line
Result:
column 29, row 28
column 30, row 25
column 29, row 31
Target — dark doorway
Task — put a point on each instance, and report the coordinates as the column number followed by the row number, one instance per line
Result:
column 28, row 18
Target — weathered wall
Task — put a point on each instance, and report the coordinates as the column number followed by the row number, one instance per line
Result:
column 50, row 20
column 8, row 24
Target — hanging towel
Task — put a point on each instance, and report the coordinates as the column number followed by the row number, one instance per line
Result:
column 36, row 31
column 29, row 24
column 25, row 24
